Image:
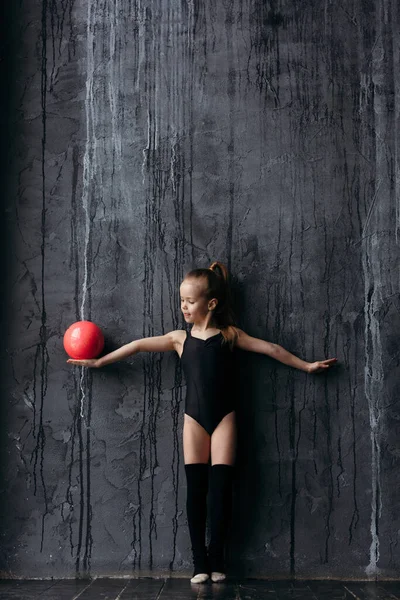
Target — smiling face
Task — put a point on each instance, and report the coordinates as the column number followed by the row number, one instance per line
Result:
column 194, row 304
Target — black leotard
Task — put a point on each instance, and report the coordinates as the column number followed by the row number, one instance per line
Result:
column 209, row 370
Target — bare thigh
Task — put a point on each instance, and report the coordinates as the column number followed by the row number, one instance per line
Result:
column 196, row 442
column 198, row 446
column 223, row 441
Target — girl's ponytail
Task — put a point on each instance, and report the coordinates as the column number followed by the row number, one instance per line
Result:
column 220, row 270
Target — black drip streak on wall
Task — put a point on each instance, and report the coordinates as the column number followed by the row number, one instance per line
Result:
column 327, row 351
column 356, row 515
column 88, row 537
column 175, row 411
column 290, row 395
column 156, row 380
column 116, row 193
column 152, row 369
column 190, row 123
column 330, row 463
column 302, row 349
column 81, row 485
column 273, row 376
column 69, row 494
column 339, row 461
column 231, row 144
column 41, row 352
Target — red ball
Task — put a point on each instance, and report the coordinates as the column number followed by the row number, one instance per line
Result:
column 83, row 339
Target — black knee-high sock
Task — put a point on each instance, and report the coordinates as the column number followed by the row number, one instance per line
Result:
column 196, row 507
column 220, row 514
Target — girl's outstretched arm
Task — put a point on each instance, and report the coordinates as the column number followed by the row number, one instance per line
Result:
column 159, row 343
column 252, row 344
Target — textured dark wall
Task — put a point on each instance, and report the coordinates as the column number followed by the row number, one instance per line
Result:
column 147, row 138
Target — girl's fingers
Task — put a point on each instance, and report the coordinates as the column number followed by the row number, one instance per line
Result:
column 81, row 363
column 325, row 364
column 321, row 365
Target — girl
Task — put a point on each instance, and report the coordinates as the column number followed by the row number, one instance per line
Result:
column 209, row 431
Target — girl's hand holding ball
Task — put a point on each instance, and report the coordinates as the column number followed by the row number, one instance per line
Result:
column 89, row 362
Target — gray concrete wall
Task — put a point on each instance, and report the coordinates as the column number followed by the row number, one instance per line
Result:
column 148, row 138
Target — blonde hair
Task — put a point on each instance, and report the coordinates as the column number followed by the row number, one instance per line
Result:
column 217, row 286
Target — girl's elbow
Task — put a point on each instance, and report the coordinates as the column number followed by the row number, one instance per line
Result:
column 273, row 350
column 135, row 347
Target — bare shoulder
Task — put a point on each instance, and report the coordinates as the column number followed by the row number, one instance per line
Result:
column 240, row 333
column 177, row 338
column 240, row 337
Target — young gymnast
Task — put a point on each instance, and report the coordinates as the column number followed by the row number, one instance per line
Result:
column 209, row 431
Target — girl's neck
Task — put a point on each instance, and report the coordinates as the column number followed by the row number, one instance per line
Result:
column 204, row 326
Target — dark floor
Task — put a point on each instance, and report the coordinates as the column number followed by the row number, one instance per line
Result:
column 182, row 589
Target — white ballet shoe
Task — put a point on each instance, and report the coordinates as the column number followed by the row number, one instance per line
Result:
column 217, row 577
column 199, row 578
